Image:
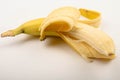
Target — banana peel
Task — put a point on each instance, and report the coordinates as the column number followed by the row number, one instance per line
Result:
column 79, row 34
column 85, row 50
column 65, row 18
column 96, row 38
column 61, row 20
column 86, row 43
column 93, row 17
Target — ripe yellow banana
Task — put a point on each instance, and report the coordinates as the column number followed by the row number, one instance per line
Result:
column 75, row 32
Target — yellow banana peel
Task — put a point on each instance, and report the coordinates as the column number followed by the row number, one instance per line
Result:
column 89, row 42
column 93, row 17
column 81, row 35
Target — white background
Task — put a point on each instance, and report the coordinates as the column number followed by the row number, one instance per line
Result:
column 26, row 58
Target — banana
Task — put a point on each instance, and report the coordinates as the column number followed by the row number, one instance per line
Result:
column 81, row 35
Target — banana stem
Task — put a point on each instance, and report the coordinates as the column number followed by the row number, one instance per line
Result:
column 12, row 33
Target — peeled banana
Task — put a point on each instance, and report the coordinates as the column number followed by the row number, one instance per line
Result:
column 81, row 35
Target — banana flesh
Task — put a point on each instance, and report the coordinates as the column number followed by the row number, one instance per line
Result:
column 81, row 35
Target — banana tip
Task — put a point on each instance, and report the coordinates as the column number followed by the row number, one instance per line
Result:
column 6, row 34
